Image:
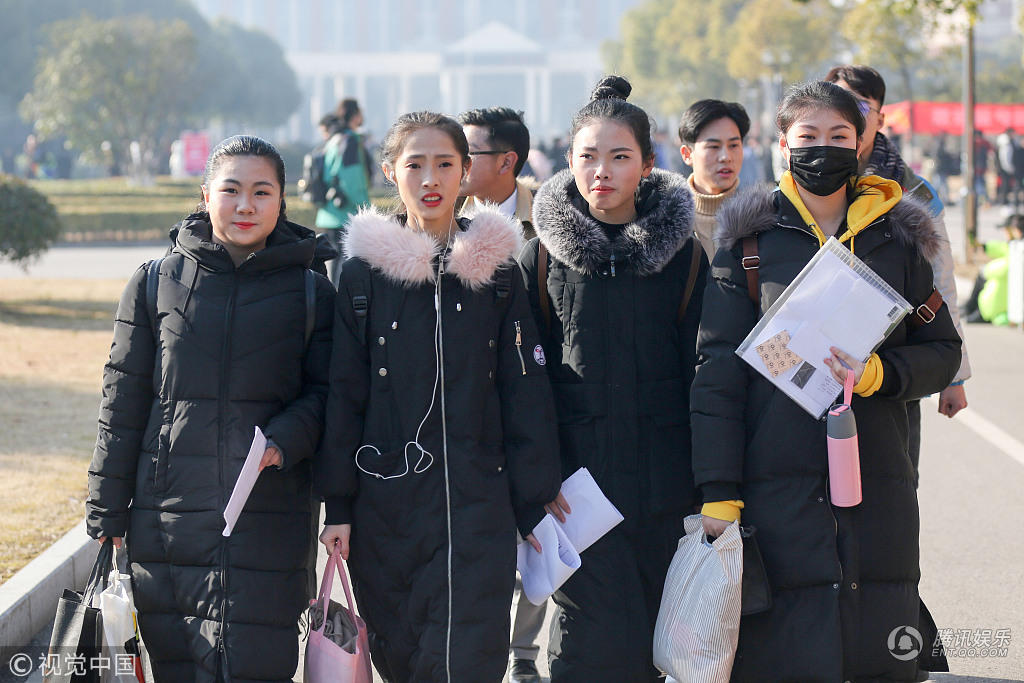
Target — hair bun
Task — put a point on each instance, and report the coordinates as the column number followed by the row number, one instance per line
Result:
column 611, row 88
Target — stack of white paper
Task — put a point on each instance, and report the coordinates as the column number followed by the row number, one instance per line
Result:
column 246, row 480
column 592, row 516
column 836, row 300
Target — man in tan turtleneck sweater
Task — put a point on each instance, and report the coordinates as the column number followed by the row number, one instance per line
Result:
column 712, row 133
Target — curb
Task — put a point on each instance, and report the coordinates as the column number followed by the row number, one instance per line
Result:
column 28, row 600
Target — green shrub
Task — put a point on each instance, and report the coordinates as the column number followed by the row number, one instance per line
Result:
column 28, row 221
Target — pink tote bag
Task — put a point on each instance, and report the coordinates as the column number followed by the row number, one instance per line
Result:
column 326, row 661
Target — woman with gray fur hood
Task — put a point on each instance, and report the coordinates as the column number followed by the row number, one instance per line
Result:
column 615, row 278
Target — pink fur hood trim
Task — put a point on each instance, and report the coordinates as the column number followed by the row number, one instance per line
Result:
column 406, row 256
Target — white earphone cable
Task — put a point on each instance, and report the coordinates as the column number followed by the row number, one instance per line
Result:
column 424, row 453
column 419, row 467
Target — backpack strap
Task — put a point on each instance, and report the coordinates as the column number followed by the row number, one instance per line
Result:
column 310, row 281
column 926, row 312
column 360, row 305
column 152, row 285
column 502, row 286
column 691, row 279
column 751, row 262
column 542, row 287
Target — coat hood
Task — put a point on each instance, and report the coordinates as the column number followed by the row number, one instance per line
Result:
column 289, row 244
column 757, row 209
column 571, row 235
column 487, row 240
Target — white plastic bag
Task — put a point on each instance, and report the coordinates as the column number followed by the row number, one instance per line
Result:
column 120, row 633
column 699, row 621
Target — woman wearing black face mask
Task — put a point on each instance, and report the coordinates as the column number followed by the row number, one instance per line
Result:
column 843, row 579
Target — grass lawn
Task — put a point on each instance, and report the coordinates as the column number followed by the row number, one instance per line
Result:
column 54, row 339
column 113, row 209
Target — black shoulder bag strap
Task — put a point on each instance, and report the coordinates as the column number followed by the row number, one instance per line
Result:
column 542, row 287
column 310, row 279
column 152, row 285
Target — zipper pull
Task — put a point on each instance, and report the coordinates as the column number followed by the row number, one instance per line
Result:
column 519, row 346
column 613, row 264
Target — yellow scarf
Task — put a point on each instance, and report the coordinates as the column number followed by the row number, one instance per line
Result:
column 874, row 196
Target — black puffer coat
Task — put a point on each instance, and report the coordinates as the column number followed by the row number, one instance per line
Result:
column 434, row 535
column 843, row 578
column 176, row 422
column 621, row 361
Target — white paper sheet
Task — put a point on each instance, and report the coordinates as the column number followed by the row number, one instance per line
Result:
column 246, row 480
column 593, row 515
column 543, row 573
column 810, row 344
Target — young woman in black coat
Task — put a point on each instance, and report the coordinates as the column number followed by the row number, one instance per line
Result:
column 215, row 340
column 440, row 435
column 844, row 579
column 616, row 278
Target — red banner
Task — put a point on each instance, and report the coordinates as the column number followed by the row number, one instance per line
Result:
column 931, row 118
column 196, row 147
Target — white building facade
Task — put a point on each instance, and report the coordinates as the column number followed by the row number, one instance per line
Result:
column 394, row 56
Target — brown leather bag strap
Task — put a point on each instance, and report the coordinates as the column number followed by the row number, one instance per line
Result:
column 926, row 312
column 751, row 262
column 691, row 279
column 542, row 287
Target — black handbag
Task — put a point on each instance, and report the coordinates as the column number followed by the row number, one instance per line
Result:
column 77, row 636
column 756, row 592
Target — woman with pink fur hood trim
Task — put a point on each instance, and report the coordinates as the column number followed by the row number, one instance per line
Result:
column 441, row 435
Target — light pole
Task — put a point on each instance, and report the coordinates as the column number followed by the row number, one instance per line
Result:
column 969, row 160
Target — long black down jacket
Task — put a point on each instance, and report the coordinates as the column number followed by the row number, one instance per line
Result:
column 842, row 578
column 436, row 464
column 178, row 416
column 622, row 362
column 622, row 359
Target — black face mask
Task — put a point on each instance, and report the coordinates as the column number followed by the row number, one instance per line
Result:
column 822, row 170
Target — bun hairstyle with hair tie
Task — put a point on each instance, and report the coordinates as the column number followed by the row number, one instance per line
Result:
column 608, row 103
column 612, row 88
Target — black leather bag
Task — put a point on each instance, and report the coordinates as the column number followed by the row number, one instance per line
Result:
column 78, row 628
column 756, row 592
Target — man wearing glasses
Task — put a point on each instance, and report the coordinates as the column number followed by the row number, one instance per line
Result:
column 880, row 157
column 499, row 143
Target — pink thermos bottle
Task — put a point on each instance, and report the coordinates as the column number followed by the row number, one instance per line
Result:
column 843, row 453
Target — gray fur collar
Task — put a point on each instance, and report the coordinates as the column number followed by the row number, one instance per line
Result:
column 753, row 210
column 648, row 243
